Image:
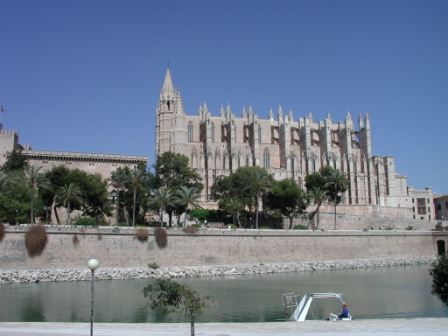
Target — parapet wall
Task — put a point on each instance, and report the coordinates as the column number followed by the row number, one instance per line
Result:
column 215, row 247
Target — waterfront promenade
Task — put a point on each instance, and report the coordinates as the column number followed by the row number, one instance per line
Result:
column 377, row 327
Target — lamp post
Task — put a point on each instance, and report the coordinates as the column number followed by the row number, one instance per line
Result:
column 337, row 196
column 93, row 265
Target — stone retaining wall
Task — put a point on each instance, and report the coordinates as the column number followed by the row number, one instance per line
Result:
column 214, row 247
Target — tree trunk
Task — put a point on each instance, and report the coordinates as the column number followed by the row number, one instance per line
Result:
column 133, row 212
column 317, row 217
column 290, row 222
column 256, row 213
column 161, row 217
column 32, row 208
column 68, row 213
column 335, row 205
column 192, row 324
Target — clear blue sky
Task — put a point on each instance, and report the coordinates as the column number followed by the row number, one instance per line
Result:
column 86, row 75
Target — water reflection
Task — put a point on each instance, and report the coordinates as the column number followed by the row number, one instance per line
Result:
column 387, row 292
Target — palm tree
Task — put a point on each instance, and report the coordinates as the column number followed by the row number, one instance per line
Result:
column 33, row 180
column 261, row 184
column 188, row 197
column 137, row 179
column 67, row 195
column 160, row 199
column 234, row 206
column 336, row 184
column 318, row 196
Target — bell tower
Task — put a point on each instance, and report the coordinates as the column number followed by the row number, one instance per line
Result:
column 169, row 108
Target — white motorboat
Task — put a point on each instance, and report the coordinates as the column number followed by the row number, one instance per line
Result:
column 301, row 307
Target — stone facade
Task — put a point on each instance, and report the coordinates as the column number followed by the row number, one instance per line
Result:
column 287, row 147
column 441, row 207
column 93, row 163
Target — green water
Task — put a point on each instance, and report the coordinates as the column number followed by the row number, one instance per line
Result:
column 377, row 293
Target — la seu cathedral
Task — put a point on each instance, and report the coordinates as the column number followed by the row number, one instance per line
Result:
column 287, row 147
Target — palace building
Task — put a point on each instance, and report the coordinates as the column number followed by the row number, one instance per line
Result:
column 287, row 147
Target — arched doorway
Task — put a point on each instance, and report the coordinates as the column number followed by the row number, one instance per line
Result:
column 440, row 247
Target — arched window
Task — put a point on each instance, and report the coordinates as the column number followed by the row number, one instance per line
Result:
column 190, row 131
column 213, row 132
column 266, row 159
column 259, row 133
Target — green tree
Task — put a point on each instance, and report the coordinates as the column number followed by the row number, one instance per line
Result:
column 286, row 196
column 167, row 296
column 67, row 195
column 57, row 177
column 246, row 184
column 137, row 181
column 33, row 180
column 160, row 199
column 318, row 196
column 188, row 198
column 336, row 185
column 233, row 206
column 173, row 171
column 439, row 272
column 258, row 184
column 15, row 161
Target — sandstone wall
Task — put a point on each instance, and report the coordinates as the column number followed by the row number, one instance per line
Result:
column 214, row 247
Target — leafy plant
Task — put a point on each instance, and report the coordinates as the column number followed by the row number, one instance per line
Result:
column 409, row 228
column 142, row 234
column 300, row 227
column 439, row 272
column 167, row 295
column 153, row 265
column 161, row 237
column 86, row 221
column 200, row 214
column 35, row 240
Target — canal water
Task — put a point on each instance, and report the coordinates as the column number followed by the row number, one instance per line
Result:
column 376, row 293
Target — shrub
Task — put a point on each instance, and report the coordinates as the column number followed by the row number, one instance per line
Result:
column 190, row 230
column 2, row 231
column 300, row 227
column 409, row 228
column 439, row 226
column 75, row 240
column 35, row 240
column 161, row 237
column 85, row 221
column 142, row 234
column 201, row 214
column 153, row 265
column 439, row 274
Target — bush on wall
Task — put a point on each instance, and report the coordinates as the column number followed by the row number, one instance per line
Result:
column 142, row 234
column 35, row 240
column 161, row 237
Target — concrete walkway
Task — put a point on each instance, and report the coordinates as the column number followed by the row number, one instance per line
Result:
column 386, row 327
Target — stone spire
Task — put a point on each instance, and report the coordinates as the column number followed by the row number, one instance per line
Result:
column 271, row 114
column 167, row 91
column 222, row 113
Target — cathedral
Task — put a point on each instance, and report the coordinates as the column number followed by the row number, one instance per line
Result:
column 287, row 147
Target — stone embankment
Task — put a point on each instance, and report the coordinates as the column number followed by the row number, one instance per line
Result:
column 13, row 275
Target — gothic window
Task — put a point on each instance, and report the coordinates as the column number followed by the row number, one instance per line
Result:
column 168, row 104
column 190, row 131
column 266, row 159
column 224, row 162
column 213, row 132
column 247, row 161
column 259, row 133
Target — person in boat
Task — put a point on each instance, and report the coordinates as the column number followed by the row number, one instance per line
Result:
column 344, row 313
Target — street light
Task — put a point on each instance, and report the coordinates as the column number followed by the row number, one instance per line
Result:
column 337, row 196
column 93, row 265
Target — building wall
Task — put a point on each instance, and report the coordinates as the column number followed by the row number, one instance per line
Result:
column 233, row 247
column 441, row 207
column 8, row 141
